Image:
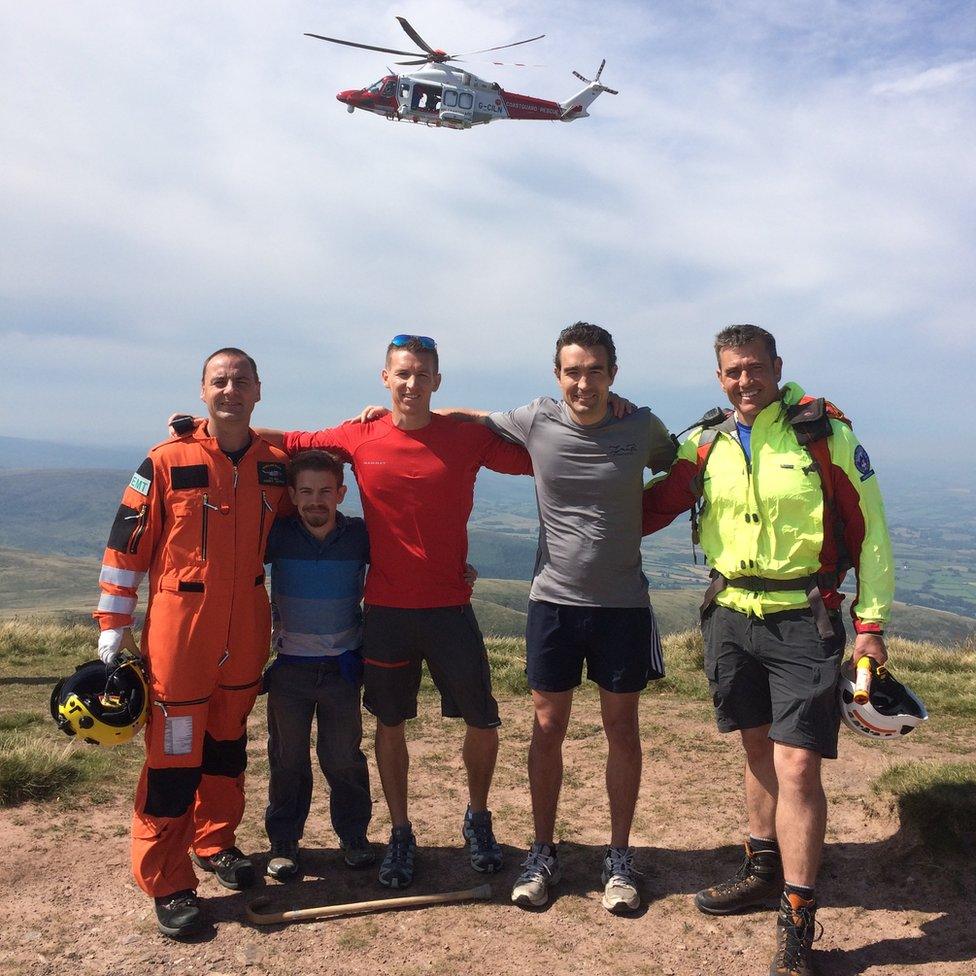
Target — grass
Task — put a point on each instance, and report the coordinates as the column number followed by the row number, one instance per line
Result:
column 938, row 800
column 44, row 646
column 36, row 651
column 32, row 768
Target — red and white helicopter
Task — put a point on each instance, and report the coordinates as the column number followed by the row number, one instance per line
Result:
column 442, row 95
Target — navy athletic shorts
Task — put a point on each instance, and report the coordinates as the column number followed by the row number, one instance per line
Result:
column 620, row 646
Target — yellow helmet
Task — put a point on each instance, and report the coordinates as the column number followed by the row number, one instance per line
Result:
column 105, row 705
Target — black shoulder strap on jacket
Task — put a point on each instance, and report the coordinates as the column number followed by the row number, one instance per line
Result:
column 712, row 418
column 810, row 421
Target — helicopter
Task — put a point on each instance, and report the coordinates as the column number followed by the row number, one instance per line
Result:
column 440, row 94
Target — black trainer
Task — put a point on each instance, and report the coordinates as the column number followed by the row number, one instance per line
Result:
column 178, row 914
column 285, row 861
column 396, row 871
column 357, row 852
column 759, row 881
column 485, row 852
column 795, row 934
column 232, row 868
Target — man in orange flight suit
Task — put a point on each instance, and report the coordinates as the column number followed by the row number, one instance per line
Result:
column 196, row 516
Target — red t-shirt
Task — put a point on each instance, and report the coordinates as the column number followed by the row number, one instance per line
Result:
column 417, row 488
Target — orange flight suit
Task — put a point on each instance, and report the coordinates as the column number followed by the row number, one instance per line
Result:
column 198, row 525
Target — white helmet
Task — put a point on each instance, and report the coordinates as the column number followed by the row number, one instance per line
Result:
column 891, row 711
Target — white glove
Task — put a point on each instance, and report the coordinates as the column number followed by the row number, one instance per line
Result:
column 110, row 645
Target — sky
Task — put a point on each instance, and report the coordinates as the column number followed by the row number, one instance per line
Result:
column 179, row 177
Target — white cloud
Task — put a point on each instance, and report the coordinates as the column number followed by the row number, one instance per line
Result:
column 929, row 79
column 180, row 177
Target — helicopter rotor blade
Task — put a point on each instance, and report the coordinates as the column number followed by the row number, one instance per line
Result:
column 414, row 36
column 418, row 61
column 367, row 47
column 500, row 47
column 501, row 64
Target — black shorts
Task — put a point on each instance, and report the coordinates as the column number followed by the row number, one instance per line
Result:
column 448, row 639
column 775, row 671
column 620, row 646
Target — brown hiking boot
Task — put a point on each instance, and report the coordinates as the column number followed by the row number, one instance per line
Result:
column 759, row 881
column 795, row 936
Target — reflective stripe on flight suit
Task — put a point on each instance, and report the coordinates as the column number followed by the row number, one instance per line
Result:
column 198, row 526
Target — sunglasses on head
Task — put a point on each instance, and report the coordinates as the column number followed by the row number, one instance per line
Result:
column 402, row 340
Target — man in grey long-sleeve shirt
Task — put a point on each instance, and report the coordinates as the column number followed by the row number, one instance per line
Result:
column 589, row 597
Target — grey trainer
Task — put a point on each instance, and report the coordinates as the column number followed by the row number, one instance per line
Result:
column 540, row 872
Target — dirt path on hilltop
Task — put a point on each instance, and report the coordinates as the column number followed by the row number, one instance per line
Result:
column 71, row 907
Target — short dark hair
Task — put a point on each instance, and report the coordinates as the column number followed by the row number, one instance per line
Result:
column 585, row 334
column 417, row 348
column 314, row 461
column 737, row 336
column 229, row 351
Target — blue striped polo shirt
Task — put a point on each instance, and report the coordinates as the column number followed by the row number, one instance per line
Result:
column 317, row 587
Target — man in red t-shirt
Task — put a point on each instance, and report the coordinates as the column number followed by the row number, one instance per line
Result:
column 416, row 474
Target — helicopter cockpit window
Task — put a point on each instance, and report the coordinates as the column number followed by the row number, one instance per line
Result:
column 404, row 89
column 374, row 89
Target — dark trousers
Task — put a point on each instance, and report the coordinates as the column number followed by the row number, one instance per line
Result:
column 296, row 693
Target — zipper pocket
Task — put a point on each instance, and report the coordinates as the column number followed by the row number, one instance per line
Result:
column 265, row 508
column 139, row 529
column 207, row 507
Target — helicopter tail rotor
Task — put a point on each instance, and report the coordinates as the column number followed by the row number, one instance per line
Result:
column 575, row 108
column 596, row 79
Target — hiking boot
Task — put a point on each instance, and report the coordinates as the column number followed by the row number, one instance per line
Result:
column 396, row 870
column 357, row 852
column 540, row 871
column 759, row 881
column 486, row 855
column 619, row 879
column 178, row 914
column 285, row 861
column 232, row 868
column 795, row 935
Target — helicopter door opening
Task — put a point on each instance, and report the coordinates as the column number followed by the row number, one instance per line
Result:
column 426, row 97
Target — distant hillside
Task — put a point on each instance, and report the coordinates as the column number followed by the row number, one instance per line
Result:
column 501, row 606
column 68, row 512
column 20, row 452
column 32, row 581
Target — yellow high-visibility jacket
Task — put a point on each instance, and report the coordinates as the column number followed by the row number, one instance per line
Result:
column 768, row 517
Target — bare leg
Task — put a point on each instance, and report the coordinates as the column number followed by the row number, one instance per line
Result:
column 624, row 760
column 552, row 710
column 801, row 815
column 480, row 753
column 393, row 762
column 762, row 789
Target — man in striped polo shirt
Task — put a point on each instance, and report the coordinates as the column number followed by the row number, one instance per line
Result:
column 318, row 563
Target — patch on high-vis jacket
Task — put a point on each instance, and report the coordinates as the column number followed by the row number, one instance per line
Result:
column 271, row 473
column 862, row 462
column 142, row 479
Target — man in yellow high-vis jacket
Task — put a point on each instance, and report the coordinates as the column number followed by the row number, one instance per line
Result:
column 788, row 502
